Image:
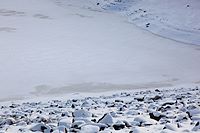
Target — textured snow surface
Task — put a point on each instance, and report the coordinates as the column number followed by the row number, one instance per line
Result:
column 174, row 111
column 173, row 19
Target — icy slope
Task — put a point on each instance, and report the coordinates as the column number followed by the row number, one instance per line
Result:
column 71, row 46
column 174, row 19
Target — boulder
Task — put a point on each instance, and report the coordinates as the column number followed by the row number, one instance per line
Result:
column 40, row 127
column 119, row 125
column 171, row 127
column 82, row 113
column 156, row 116
column 8, row 121
column 196, row 127
column 65, row 122
column 90, row 129
column 106, row 119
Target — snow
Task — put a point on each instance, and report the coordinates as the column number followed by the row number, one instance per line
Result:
column 82, row 113
column 58, row 46
column 177, row 20
column 40, row 127
column 90, row 129
column 106, row 119
column 99, row 66
column 101, row 119
column 65, row 122
column 170, row 127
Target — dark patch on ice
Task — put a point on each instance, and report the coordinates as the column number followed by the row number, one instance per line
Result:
column 94, row 87
column 7, row 29
column 41, row 16
column 6, row 12
column 82, row 15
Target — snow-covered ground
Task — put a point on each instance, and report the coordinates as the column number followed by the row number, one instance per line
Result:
column 147, row 111
column 61, row 46
column 174, row 19
column 56, row 55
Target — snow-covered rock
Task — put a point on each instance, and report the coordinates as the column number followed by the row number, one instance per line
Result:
column 82, row 113
column 106, row 119
column 171, row 127
column 8, row 121
column 65, row 122
column 156, row 115
column 78, row 123
column 90, row 129
column 119, row 125
column 102, row 116
column 41, row 127
column 143, row 121
column 196, row 127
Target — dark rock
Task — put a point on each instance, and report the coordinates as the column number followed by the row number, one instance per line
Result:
column 147, row 25
column 74, row 100
column 156, row 98
column 94, row 120
column 196, row 127
column 118, row 126
column 163, row 109
column 111, row 106
column 140, row 99
column 43, row 128
column 189, row 115
column 65, row 114
column 119, row 101
column 76, row 124
column 156, row 117
column 127, row 124
column 168, row 103
column 39, row 111
column 73, row 106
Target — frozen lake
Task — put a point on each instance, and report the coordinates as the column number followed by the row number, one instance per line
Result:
column 48, row 48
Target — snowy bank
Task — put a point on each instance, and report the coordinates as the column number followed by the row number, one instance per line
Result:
column 145, row 111
column 177, row 20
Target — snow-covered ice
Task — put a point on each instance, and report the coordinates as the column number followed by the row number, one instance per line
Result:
column 64, row 46
column 177, row 19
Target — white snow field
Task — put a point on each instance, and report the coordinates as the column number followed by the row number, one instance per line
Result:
column 62, row 46
column 89, row 66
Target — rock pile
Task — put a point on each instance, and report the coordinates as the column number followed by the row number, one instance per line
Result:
column 175, row 110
